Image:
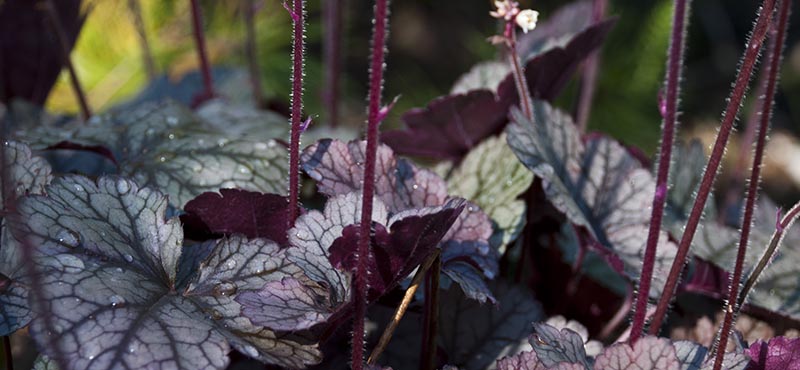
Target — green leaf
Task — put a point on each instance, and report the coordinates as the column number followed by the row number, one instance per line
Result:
column 492, row 177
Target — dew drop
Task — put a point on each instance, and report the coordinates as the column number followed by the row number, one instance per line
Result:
column 150, row 131
column 231, row 264
column 415, row 186
column 271, row 144
column 172, row 121
column 162, row 158
column 171, row 136
column 224, row 289
column 471, row 209
column 244, row 170
column 79, row 188
column 123, row 187
column 260, row 146
column 119, row 270
column 128, row 258
column 116, row 301
column 69, row 238
column 222, row 142
column 131, row 349
column 201, row 142
column 250, row 351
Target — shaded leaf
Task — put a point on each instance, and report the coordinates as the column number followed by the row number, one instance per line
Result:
column 485, row 75
column 557, row 29
column 31, row 56
column 648, row 353
column 337, row 167
column 165, row 145
column 287, row 304
column 474, row 335
column 492, row 177
column 27, row 174
column 110, row 268
column 237, row 119
column 235, row 211
column 597, row 184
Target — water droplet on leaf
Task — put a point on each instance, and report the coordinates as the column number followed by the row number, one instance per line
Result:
column 69, row 238
column 128, row 258
column 116, row 301
column 224, row 289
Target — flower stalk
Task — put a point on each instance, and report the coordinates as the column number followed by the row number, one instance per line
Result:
column 731, row 111
column 377, row 65
column 509, row 11
column 674, row 68
column 773, row 71
column 297, row 13
column 144, row 43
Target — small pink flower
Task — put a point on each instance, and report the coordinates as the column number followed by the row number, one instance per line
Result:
column 506, row 9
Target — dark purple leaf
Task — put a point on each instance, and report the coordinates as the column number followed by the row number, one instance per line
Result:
column 778, row 353
column 234, row 211
column 97, row 149
column 31, row 55
column 452, row 125
column 396, row 252
column 338, row 169
column 123, row 293
column 557, row 28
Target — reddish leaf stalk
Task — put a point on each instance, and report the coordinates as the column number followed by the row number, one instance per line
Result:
column 773, row 65
column 674, row 68
column 378, row 57
column 9, row 360
column 332, row 57
column 298, row 53
column 589, row 80
column 58, row 28
column 431, row 319
column 250, row 50
column 147, row 55
column 202, row 54
column 731, row 111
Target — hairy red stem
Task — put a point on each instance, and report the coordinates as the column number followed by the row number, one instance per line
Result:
column 773, row 65
column 202, row 54
column 589, row 80
column 58, row 28
column 673, row 80
column 379, row 32
column 298, row 52
column 731, row 111
column 519, row 75
column 332, row 57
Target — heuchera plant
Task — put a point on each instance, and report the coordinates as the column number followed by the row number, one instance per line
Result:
column 174, row 235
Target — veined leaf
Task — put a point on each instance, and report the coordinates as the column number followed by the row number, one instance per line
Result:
column 596, row 183
column 110, row 268
column 492, row 177
column 777, row 353
column 648, row 353
column 165, row 145
column 27, row 174
column 338, row 169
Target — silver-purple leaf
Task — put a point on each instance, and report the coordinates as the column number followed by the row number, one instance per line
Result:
column 595, row 182
column 554, row 346
column 287, row 305
column 110, row 269
column 337, row 167
column 27, row 174
column 528, row 360
column 649, row 353
column 167, row 146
